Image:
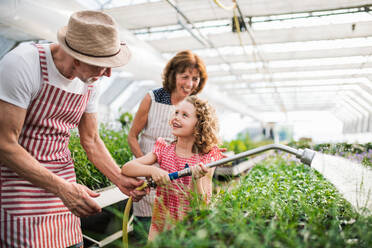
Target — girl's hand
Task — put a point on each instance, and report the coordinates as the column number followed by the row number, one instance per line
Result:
column 159, row 176
column 199, row 171
column 222, row 150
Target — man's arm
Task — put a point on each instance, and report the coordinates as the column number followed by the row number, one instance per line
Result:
column 99, row 155
column 75, row 197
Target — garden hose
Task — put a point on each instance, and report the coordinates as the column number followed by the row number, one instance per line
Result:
column 126, row 216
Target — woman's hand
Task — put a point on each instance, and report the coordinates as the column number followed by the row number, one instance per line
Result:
column 159, row 176
column 199, row 170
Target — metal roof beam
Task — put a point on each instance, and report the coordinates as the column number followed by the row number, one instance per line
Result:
column 114, row 91
column 315, row 67
column 216, row 96
column 147, row 14
column 245, row 83
column 300, row 34
column 363, row 119
column 351, row 118
column 299, row 88
column 42, row 19
column 295, row 55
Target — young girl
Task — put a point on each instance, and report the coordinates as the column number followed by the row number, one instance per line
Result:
column 195, row 126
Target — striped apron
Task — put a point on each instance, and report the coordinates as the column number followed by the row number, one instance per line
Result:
column 30, row 216
column 157, row 126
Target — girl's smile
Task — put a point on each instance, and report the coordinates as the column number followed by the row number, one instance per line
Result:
column 183, row 120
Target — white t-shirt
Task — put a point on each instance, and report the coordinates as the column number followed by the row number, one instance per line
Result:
column 20, row 78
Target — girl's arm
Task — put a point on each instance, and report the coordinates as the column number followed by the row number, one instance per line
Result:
column 141, row 167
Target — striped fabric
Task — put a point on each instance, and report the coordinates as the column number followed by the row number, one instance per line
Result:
column 157, row 126
column 29, row 215
column 171, row 203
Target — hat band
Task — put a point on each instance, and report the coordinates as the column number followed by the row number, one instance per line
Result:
column 90, row 55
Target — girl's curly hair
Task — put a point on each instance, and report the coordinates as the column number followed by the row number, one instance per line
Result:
column 181, row 62
column 206, row 127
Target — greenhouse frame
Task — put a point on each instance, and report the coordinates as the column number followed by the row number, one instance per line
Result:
column 291, row 83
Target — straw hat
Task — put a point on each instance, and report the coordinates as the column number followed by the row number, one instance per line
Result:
column 92, row 37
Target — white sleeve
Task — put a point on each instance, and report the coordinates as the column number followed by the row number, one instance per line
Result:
column 92, row 106
column 19, row 79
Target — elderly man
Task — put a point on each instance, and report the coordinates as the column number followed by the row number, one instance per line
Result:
column 45, row 91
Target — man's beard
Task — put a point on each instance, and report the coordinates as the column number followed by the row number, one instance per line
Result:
column 90, row 80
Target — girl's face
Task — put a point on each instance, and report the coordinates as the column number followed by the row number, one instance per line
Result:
column 187, row 82
column 183, row 120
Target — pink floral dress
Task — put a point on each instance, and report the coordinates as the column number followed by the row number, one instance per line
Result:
column 171, row 202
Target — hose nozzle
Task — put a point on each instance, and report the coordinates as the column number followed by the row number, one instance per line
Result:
column 306, row 155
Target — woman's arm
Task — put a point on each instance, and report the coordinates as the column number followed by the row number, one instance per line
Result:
column 139, row 123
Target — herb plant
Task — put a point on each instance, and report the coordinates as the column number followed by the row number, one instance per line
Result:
column 86, row 172
column 277, row 204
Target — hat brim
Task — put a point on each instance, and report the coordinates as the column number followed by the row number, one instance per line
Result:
column 120, row 59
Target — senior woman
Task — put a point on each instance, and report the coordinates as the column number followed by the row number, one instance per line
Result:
column 184, row 75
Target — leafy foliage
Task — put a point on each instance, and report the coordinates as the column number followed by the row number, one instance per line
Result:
column 278, row 204
column 244, row 143
column 86, row 172
column 125, row 120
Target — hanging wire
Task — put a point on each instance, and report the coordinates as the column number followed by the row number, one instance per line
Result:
column 256, row 51
column 232, row 7
column 237, row 25
column 208, row 42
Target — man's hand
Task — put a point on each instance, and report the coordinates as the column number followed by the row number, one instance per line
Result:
column 77, row 198
column 128, row 186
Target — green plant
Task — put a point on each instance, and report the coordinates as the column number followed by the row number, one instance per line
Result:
column 125, row 120
column 277, row 204
column 86, row 172
column 244, row 143
column 301, row 143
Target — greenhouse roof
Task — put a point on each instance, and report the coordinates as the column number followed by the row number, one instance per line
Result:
column 293, row 55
